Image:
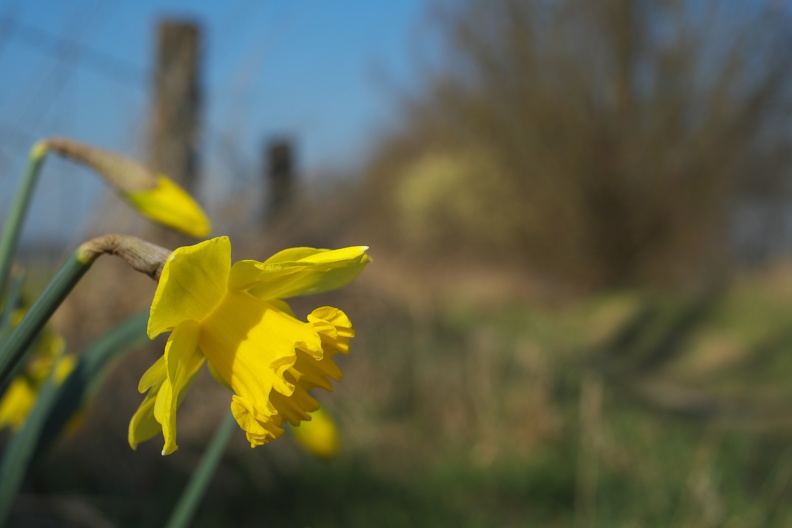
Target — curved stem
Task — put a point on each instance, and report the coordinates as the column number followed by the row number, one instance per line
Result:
column 141, row 255
column 14, row 349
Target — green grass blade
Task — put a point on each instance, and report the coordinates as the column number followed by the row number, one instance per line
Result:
column 16, row 216
column 19, row 452
column 199, row 482
column 56, row 405
column 9, row 304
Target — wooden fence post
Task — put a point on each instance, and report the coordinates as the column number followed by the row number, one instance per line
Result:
column 175, row 121
column 279, row 177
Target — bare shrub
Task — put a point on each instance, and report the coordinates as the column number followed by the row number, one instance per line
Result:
column 602, row 143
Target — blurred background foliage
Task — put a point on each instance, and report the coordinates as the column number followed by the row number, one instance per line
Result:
column 601, row 144
column 579, row 308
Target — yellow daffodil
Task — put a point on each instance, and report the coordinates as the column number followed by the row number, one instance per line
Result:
column 19, row 398
column 319, row 436
column 235, row 318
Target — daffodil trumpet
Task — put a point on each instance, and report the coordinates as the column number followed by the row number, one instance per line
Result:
column 234, row 318
column 141, row 255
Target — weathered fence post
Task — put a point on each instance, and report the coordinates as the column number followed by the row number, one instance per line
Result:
column 279, row 176
column 175, row 121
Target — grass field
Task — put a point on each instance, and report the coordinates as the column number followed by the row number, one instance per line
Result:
column 625, row 410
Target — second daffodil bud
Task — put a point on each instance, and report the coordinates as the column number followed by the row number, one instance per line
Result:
column 153, row 195
column 319, row 435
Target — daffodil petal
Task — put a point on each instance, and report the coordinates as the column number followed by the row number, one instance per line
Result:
column 182, row 361
column 153, row 376
column 315, row 271
column 296, row 254
column 193, row 281
column 143, row 426
column 170, row 205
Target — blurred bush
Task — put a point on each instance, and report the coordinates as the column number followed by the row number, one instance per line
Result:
column 618, row 142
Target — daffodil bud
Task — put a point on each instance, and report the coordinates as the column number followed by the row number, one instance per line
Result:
column 153, row 195
column 319, row 435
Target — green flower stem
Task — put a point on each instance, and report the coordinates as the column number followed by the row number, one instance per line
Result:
column 140, row 255
column 16, row 216
column 185, row 509
column 9, row 304
column 13, row 350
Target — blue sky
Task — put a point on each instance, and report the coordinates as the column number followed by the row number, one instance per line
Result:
column 325, row 73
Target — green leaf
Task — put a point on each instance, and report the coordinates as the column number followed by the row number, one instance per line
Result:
column 19, row 451
column 78, row 388
column 56, row 405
